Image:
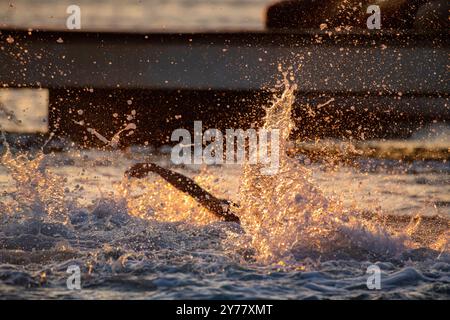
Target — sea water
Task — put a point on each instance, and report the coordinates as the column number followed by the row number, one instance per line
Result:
column 310, row 231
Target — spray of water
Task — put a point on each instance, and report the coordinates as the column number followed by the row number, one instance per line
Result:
column 289, row 218
column 284, row 215
column 39, row 193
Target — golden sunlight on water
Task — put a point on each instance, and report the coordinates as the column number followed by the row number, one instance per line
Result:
column 286, row 215
column 310, row 229
column 291, row 220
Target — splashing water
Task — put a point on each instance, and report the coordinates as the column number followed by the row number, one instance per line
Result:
column 288, row 217
column 39, row 192
column 115, row 140
column 146, row 236
column 163, row 202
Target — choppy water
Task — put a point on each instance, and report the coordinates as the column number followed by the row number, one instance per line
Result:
column 124, row 256
column 311, row 231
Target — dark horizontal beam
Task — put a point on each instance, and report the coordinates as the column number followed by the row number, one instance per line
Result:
column 358, row 63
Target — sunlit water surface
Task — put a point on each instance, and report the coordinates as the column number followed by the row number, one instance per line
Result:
column 310, row 231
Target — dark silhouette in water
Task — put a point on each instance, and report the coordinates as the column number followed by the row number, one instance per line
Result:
column 395, row 14
column 220, row 207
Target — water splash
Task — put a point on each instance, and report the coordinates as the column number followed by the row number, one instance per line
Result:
column 115, row 140
column 289, row 218
column 155, row 199
column 39, row 193
column 285, row 216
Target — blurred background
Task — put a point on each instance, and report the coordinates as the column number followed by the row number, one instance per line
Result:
column 113, row 15
column 142, row 15
column 25, row 110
